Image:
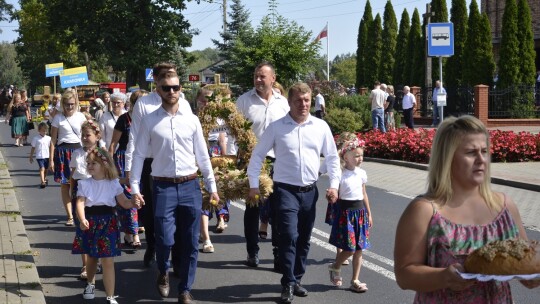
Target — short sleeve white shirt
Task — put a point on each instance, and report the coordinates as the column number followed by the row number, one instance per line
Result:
column 78, row 161
column 101, row 192
column 106, row 124
column 41, row 145
column 350, row 185
column 69, row 128
column 319, row 101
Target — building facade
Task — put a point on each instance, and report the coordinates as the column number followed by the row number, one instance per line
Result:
column 495, row 12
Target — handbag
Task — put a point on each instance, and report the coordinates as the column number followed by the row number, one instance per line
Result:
column 30, row 125
column 11, row 121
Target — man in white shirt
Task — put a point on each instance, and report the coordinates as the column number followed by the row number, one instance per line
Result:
column 175, row 139
column 377, row 98
column 144, row 106
column 261, row 106
column 436, row 91
column 298, row 139
column 320, row 106
column 408, row 104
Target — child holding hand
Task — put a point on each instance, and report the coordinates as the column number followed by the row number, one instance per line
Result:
column 353, row 218
column 98, row 234
column 40, row 146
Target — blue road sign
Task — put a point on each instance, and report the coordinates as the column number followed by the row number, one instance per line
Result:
column 440, row 39
column 149, row 75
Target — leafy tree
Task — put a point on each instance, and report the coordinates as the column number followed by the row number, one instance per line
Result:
column 525, row 36
column 401, row 49
column 414, row 42
column 341, row 70
column 373, row 52
column 509, row 52
column 203, row 58
column 362, row 40
column 10, row 72
column 478, row 63
column 6, row 10
column 389, row 36
column 284, row 43
column 454, row 65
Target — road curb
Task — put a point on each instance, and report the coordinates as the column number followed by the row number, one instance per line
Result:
column 20, row 279
column 495, row 180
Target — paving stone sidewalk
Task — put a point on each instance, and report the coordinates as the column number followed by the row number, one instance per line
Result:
column 19, row 279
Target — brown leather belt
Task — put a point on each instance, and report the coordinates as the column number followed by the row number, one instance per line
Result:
column 176, row 180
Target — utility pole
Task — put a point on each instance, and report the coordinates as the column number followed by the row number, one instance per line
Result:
column 224, row 17
column 427, row 18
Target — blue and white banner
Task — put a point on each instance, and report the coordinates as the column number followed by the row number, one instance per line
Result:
column 73, row 77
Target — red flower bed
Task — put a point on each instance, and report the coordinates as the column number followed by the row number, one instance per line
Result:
column 415, row 145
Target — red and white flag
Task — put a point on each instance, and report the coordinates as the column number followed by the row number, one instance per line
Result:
column 322, row 34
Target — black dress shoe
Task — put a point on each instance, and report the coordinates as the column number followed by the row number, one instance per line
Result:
column 149, row 257
column 252, row 261
column 300, row 291
column 163, row 285
column 185, row 298
column 287, row 294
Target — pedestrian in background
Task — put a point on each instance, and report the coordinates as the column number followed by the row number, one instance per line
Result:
column 18, row 117
column 320, row 107
column 377, row 99
column 40, row 147
column 298, row 140
column 435, row 98
column 458, row 214
column 353, row 217
column 261, row 105
column 408, row 103
column 389, row 109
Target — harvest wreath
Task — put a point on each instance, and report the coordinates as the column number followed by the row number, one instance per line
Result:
column 230, row 171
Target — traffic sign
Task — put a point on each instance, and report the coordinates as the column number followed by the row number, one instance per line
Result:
column 53, row 69
column 194, row 77
column 73, row 77
column 149, row 75
column 440, row 39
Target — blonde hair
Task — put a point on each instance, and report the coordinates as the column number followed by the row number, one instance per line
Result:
column 105, row 160
column 67, row 96
column 445, row 143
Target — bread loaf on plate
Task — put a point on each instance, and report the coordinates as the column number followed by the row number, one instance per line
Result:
column 508, row 257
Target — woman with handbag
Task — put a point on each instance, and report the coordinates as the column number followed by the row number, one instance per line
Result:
column 18, row 117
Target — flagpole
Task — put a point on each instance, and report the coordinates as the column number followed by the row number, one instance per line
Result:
column 327, row 54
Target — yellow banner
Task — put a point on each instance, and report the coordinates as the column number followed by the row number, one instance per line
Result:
column 54, row 65
column 73, row 71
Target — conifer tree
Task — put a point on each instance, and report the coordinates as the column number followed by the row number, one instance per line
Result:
column 527, row 54
column 362, row 40
column 401, row 49
column 414, row 42
column 239, row 24
column 373, row 52
column 509, row 52
column 478, row 63
column 454, row 64
column 389, row 36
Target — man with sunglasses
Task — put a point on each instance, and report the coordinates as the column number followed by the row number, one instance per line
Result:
column 146, row 105
column 174, row 138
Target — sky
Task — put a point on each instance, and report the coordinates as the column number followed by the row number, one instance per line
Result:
column 343, row 18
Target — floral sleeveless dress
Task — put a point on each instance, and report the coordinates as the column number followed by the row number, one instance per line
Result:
column 450, row 243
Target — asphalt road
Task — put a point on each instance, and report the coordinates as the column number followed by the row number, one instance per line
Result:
column 222, row 276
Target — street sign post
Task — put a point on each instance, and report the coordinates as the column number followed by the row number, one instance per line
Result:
column 194, row 77
column 441, row 44
column 149, row 75
column 53, row 70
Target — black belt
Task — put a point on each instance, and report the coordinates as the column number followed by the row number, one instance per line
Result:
column 176, row 180
column 99, row 210
column 295, row 188
column 349, row 204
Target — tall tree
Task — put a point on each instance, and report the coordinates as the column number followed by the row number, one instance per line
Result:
column 414, row 42
column 373, row 52
column 389, row 37
column 362, row 40
column 341, row 69
column 10, row 72
column 525, row 36
column 478, row 63
column 509, row 52
column 239, row 23
column 454, row 65
column 401, row 48
column 6, row 10
column 284, row 43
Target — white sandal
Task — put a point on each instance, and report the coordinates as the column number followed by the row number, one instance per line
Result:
column 83, row 274
column 335, row 275
column 208, row 247
column 358, row 286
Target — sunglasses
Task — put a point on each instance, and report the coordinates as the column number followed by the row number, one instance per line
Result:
column 167, row 88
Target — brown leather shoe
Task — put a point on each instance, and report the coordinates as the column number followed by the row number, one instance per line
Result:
column 185, row 298
column 163, row 285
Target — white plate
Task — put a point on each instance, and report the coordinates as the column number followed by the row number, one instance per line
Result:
column 489, row 277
